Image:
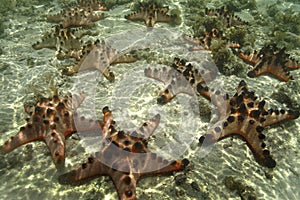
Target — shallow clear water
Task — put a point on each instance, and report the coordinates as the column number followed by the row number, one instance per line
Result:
column 26, row 74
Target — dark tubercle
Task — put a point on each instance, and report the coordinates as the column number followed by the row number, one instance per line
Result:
column 269, row 162
column 251, row 74
column 184, row 163
column 162, row 100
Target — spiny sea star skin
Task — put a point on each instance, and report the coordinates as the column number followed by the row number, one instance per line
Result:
column 228, row 18
column 76, row 17
column 61, row 38
column 124, row 157
column 52, row 121
column 181, row 77
column 97, row 55
column 95, row 5
column 270, row 59
column 151, row 15
column 204, row 42
column 212, row 33
column 247, row 117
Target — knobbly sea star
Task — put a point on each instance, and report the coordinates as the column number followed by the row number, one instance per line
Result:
column 204, row 42
column 240, row 115
column 95, row 5
column 52, row 121
column 245, row 116
column 151, row 15
column 270, row 59
column 76, row 17
column 97, row 55
column 181, row 77
column 212, row 32
column 60, row 38
column 125, row 157
column 227, row 17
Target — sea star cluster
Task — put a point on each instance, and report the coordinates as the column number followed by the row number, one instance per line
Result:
column 269, row 59
column 125, row 156
column 67, row 39
column 241, row 115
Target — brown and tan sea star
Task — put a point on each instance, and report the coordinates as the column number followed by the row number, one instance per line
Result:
column 125, row 157
column 181, row 77
column 243, row 115
column 97, row 55
column 61, row 38
column 78, row 16
column 95, row 5
column 270, row 59
column 52, row 121
column 151, row 15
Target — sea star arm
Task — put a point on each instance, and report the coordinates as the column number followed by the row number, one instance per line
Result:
column 94, row 167
column 278, row 116
column 176, row 83
column 124, row 59
column 217, row 98
column 137, row 16
column 154, row 164
column 249, row 130
column 124, row 180
column 250, row 58
column 148, row 128
column 163, row 17
column 56, row 144
column 271, row 66
column 200, row 42
column 292, row 64
column 164, row 74
column 27, row 134
column 39, row 130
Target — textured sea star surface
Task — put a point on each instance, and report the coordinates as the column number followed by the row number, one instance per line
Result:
column 95, row 5
column 212, row 32
column 60, row 38
column 270, row 59
column 52, row 121
column 204, row 42
column 98, row 55
column 181, row 77
column 227, row 17
column 241, row 115
column 124, row 157
column 245, row 116
column 151, row 15
column 78, row 16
